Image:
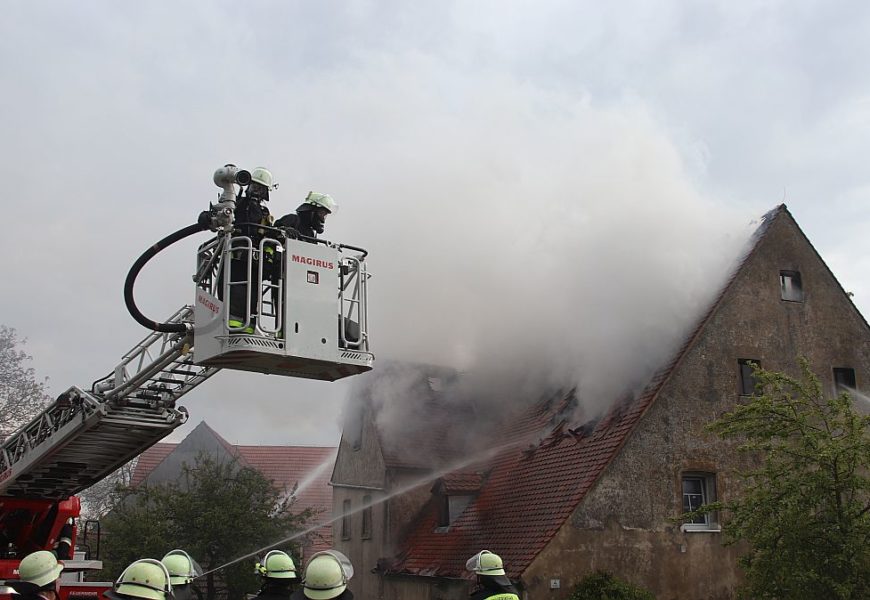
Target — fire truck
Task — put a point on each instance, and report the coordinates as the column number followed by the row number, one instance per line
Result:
column 275, row 303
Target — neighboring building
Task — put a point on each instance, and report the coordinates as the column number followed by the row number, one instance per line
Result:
column 306, row 468
column 603, row 494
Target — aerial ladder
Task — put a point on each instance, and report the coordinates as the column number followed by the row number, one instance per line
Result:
column 304, row 315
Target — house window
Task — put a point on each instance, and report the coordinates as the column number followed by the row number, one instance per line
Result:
column 443, row 502
column 747, row 375
column 790, row 286
column 844, row 379
column 699, row 489
column 367, row 518
column 345, row 520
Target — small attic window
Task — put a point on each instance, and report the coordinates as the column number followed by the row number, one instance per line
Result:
column 747, row 375
column 844, row 379
column 450, row 506
column 790, row 286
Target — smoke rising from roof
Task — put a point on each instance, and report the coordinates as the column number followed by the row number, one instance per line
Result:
column 537, row 243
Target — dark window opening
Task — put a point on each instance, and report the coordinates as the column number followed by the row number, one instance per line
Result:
column 844, row 379
column 443, row 510
column 747, row 376
column 367, row 518
column 790, row 286
column 345, row 520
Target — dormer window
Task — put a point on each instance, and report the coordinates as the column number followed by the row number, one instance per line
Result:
column 790, row 286
column 453, row 493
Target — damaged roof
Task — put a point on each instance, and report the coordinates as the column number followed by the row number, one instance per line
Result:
column 528, row 492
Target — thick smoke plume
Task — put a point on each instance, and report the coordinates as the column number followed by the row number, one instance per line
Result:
column 552, row 245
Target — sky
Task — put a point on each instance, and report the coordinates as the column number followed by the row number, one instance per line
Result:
column 547, row 190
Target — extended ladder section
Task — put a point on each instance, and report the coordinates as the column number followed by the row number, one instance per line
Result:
column 85, row 435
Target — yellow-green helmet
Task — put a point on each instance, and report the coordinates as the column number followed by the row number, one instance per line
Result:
column 277, row 565
column 146, row 578
column 326, row 575
column 263, row 176
column 485, row 563
column 39, row 569
column 316, row 199
column 181, row 567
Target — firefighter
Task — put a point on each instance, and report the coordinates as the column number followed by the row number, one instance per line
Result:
column 310, row 216
column 492, row 583
column 63, row 546
column 38, row 577
column 250, row 216
column 182, row 571
column 147, row 579
column 279, row 576
column 326, row 577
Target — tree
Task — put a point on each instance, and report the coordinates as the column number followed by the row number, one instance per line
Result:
column 101, row 497
column 21, row 394
column 602, row 585
column 805, row 507
column 217, row 512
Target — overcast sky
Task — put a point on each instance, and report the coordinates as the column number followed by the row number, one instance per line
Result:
column 493, row 156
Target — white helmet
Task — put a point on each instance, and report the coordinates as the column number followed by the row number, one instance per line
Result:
column 326, row 575
column 485, row 563
column 263, row 176
column 38, row 569
column 277, row 565
column 181, row 567
column 320, row 200
column 146, row 578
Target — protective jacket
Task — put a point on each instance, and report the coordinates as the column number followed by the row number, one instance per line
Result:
column 275, row 591
column 298, row 223
column 249, row 213
column 495, row 588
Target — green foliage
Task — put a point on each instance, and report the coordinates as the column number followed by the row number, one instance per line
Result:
column 805, row 508
column 601, row 585
column 217, row 512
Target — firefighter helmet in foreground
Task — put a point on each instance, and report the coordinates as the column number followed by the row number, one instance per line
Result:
column 485, row 563
column 326, row 575
column 181, row 567
column 38, row 570
column 146, row 578
column 277, row 565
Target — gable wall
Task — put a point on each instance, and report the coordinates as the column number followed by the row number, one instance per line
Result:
column 623, row 523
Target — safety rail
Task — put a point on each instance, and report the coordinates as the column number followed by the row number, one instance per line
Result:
column 84, row 435
column 262, row 309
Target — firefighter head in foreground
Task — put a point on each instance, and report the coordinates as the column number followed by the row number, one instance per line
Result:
column 279, row 576
column 38, row 577
column 145, row 579
column 326, row 577
column 310, row 216
column 491, row 579
column 182, row 571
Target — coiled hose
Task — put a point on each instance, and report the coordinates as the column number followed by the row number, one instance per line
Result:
column 137, row 267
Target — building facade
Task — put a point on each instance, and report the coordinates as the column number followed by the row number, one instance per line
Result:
column 604, row 494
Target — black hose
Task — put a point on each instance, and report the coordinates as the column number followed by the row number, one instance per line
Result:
column 134, row 273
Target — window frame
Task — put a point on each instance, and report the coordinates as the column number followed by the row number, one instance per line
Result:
column 795, row 291
column 708, row 494
column 844, row 387
column 366, row 532
column 346, row 522
column 742, row 366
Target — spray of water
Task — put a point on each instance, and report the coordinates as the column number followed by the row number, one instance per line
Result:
column 311, row 477
column 859, row 396
column 423, row 480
